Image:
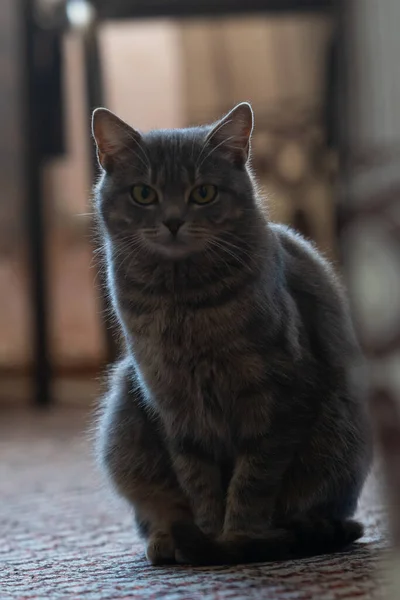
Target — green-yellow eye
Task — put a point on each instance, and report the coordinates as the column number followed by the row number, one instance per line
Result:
column 204, row 194
column 144, row 194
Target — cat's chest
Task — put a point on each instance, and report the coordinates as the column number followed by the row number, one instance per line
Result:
column 198, row 405
column 198, row 378
column 209, row 405
column 196, row 367
column 171, row 337
column 192, row 352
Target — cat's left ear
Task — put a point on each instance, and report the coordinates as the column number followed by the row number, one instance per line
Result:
column 113, row 137
column 232, row 133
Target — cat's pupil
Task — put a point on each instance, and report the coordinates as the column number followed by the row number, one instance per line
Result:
column 203, row 191
column 145, row 192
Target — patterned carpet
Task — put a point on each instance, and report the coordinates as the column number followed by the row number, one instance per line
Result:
column 63, row 536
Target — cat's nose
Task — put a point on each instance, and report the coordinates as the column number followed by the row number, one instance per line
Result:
column 173, row 225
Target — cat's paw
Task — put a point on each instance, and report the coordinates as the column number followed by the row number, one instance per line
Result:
column 160, row 549
column 237, row 536
column 181, row 558
column 190, row 543
column 211, row 529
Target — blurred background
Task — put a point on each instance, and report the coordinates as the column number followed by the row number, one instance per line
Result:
column 59, row 60
column 323, row 79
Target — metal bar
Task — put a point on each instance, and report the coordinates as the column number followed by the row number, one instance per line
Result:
column 123, row 9
column 35, row 217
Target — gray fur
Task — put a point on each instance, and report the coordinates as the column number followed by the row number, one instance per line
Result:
column 232, row 407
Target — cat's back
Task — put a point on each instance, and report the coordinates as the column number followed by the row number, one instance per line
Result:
column 317, row 291
column 305, row 266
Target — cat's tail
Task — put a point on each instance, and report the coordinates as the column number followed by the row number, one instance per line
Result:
column 299, row 538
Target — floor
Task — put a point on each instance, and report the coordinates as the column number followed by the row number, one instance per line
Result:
column 63, row 536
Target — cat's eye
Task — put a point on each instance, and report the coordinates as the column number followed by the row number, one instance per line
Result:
column 143, row 194
column 204, row 194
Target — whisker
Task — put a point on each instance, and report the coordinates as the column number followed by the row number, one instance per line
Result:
column 214, row 253
column 133, row 247
column 213, row 149
column 217, row 129
column 228, row 251
column 132, row 151
column 208, row 140
column 132, row 137
column 251, row 254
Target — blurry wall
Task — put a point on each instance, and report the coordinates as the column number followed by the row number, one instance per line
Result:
column 144, row 81
column 371, row 231
column 75, row 317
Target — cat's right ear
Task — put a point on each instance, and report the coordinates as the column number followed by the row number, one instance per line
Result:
column 113, row 137
column 232, row 134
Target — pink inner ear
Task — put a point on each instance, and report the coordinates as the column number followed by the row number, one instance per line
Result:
column 104, row 133
column 108, row 147
column 247, row 131
column 106, row 150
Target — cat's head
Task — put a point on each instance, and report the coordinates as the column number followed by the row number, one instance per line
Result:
column 173, row 193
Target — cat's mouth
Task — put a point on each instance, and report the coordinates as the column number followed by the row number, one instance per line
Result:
column 174, row 247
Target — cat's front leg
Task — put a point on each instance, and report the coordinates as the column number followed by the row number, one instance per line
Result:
column 200, row 479
column 268, row 435
column 136, row 459
column 252, row 492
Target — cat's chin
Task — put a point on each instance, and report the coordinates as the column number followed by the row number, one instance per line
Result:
column 173, row 251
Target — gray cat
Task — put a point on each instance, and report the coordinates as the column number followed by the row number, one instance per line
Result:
column 229, row 425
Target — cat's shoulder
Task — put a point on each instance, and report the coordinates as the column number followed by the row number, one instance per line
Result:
column 302, row 257
column 294, row 242
column 297, row 245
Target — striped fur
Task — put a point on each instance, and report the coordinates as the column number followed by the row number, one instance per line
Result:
column 232, row 410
